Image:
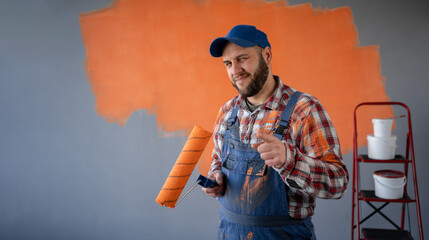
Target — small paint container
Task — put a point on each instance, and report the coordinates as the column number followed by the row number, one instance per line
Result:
column 389, row 184
column 382, row 127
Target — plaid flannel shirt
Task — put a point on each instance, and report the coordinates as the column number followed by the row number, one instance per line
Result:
column 314, row 166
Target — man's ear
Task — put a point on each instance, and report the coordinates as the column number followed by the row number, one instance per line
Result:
column 268, row 56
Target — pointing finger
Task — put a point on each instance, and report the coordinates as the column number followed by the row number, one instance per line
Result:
column 256, row 145
column 266, row 137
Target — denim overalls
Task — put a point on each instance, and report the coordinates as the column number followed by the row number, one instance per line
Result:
column 255, row 203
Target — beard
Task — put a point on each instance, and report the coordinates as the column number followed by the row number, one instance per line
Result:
column 257, row 80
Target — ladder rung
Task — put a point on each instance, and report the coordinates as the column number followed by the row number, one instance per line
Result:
column 386, row 234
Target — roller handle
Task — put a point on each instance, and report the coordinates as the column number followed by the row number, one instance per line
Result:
column 205, row 182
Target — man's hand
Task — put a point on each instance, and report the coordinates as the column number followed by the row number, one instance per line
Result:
column 272, row 150
column 218, row 190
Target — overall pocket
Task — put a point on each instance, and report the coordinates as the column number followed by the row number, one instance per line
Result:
column 250, row 167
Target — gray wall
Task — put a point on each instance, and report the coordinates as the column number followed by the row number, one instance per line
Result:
column 67, row 174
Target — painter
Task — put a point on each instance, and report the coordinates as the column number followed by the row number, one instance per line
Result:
column 275, row 148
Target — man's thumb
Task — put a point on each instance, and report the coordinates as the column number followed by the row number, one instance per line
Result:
column 219, row 178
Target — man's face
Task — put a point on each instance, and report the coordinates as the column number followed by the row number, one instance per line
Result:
column 246, row 68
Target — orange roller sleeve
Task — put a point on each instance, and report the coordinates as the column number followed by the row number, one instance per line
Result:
column 183, row 167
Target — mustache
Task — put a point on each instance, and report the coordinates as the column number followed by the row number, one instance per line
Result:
column 245, row 74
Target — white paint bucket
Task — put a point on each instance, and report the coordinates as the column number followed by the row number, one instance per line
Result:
column 382, row 127
column 389, row 184
column 381, row 148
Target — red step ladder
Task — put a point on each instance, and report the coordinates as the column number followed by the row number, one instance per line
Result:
column 369, row 197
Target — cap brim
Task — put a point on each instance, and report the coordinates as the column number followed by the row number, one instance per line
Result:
column 216, row 48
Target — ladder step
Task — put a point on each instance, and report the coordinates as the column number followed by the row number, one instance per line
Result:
column 386, row 234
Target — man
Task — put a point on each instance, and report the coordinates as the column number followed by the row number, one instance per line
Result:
column 275, row 149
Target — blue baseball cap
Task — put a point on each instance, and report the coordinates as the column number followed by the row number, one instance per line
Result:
column 242, row 35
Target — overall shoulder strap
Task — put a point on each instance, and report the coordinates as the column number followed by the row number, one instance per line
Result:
column 284, row 120
column 230, row 122
column 233, row 117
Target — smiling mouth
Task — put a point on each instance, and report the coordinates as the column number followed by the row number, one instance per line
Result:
column 241, row 77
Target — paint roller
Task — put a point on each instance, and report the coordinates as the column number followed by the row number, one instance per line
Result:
column 184, row 166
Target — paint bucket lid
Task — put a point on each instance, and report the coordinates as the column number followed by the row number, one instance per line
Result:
column 389, row 174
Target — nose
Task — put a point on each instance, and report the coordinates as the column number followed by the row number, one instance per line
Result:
column 236, row 69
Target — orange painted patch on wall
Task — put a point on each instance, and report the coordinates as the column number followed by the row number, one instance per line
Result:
column 154, row 55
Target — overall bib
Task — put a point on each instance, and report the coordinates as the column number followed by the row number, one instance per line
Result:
column 255, row 204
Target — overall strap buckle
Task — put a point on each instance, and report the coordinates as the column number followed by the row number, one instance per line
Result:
column 285, row 117
column 281, row 128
